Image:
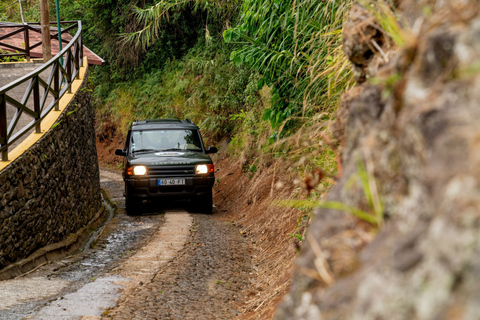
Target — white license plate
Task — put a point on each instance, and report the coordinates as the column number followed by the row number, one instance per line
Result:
column 171, row 182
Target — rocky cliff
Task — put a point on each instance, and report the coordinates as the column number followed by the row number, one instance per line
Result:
column 412, row 121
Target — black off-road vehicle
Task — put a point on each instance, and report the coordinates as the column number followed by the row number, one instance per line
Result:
column 167, row 158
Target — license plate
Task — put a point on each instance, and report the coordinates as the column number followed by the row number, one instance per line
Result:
column 171, row 182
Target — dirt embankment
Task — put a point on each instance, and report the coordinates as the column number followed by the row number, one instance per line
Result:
column 269, row 229
column 108, row 138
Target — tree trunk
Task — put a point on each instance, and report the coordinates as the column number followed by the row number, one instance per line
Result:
column 45, row 22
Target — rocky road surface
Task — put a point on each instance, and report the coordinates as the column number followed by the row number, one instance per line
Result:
column 165, row 263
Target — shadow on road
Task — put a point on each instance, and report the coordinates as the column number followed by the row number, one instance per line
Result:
column 155, row 207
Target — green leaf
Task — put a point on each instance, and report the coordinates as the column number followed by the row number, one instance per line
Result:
column 56, row 124
column 267, row 114
column 260, row 84
column 227, row 35
column 238, row 59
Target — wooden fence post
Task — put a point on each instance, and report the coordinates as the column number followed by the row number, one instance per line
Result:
column 36, row 103
column 56, row 84
column 77, row 59
column 81, row 50
column 3, row 126
column 69, row 69
column 26, row 36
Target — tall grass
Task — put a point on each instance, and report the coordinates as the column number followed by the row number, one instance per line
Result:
column 296, row 46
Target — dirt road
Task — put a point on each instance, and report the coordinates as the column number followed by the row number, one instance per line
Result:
column 166, row 263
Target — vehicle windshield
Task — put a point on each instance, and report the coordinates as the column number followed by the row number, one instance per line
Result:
column 165, row 140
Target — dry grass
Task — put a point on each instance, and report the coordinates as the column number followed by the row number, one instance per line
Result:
column 249, row 203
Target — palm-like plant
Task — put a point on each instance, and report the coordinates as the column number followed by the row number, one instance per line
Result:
column 150, row 19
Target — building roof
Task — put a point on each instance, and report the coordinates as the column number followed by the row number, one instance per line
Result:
column 34, row 37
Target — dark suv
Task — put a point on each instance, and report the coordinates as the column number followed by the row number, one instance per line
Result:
column 167, row 158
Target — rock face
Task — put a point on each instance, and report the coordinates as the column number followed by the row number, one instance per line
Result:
column 417, row 127
column 53, row 189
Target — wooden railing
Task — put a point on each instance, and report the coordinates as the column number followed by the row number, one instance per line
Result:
column 65, row 68
column 26, row 29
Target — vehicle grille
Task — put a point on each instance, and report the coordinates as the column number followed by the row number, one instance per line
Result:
column 171, row 171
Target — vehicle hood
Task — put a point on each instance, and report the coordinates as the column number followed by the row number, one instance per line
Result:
column 173, row 158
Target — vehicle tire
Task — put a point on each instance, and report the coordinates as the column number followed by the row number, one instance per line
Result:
column 131, row 203
column 206, row 203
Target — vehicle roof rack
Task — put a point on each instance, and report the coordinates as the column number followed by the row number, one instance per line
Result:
column 136, row 122
column 173, row 122
column 162, row 120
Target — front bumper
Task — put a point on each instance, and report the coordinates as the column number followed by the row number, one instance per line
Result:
column 147, row 187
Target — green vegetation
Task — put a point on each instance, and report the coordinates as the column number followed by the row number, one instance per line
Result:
column 11, row 59
column 224, row 64
column 200, row 87
column 302, row 223
column 266, row 74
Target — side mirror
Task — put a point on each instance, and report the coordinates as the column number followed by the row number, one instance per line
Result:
column 121, row 152
column 211, row 150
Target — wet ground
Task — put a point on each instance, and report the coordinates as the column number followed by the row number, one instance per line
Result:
column 166, row 263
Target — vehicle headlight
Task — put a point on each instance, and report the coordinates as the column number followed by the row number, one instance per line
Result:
column 139, row 170
column 204, row 168
column 201, row 169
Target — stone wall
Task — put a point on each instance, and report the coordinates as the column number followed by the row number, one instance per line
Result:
column 53, row 189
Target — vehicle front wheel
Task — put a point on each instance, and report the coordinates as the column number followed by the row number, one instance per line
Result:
column 131, row 203
column 206, row 203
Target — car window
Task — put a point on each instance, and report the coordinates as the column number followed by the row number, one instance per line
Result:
column 159, row 140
